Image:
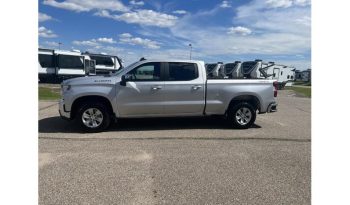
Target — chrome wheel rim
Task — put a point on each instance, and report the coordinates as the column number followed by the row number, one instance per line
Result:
column 92, row 117
column 243, row 116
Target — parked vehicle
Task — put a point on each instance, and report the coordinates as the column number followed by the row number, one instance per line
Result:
column 105, row 63
column 58, row 65
column 164, row 88
column 282, row 74
column 233, row 70
column 215, row 70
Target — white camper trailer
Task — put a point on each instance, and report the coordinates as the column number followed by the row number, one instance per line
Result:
column 283, row 74
column 105, row 63
column 57, row 65
column 233, row 70
column 255, row 69
column 215, row 70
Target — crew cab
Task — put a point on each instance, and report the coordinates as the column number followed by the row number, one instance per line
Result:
column 164, row 88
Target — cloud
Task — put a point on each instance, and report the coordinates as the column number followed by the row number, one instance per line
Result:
column 106, row 40
column 142, row 17
column 44, row 17
column 239, row 30
column 277, row 32
column 51, row 44
column 85, row 43
column 87, row 5
column 180, row 12
column 225, row 4
column 46, row 33
column 146, row 43
column 94, row 42
column 137, row 3
column 286, row 3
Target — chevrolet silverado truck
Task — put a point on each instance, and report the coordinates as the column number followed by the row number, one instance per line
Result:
column 164, row 88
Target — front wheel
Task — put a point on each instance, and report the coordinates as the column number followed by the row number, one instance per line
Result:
column 93, row 117
column 242, row 115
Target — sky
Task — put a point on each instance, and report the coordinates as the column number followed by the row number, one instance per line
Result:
column 217, row 30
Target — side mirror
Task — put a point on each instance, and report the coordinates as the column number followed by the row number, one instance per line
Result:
column 125, row 78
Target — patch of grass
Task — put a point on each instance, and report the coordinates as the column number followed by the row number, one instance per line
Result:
column 49, row 93
column 305, row 91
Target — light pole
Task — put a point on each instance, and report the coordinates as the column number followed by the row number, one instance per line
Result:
column 190, row 45
column 59, row 45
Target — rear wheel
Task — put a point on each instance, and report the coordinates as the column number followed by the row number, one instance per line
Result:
column 242, row 115
column 93, row 117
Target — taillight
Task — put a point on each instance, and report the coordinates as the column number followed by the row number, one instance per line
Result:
column 275, row 87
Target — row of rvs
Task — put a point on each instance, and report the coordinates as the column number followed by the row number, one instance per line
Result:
column 257, row 69
column 58, row 65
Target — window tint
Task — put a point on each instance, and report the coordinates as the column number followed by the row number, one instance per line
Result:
column 281, row 72
column 182, row 71
column 291, row 77
column 146, row 72
column 103, row 60
column 71, row 61
column 46, row 60
column 287, row 76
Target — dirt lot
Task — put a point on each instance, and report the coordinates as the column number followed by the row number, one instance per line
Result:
column 178, row 161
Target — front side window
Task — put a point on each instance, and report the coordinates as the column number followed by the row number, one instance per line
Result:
column 46, row 60
column 146, row 72
column 182, row 71
column 66, row 61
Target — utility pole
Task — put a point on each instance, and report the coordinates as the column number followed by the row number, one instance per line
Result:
column 190, row 45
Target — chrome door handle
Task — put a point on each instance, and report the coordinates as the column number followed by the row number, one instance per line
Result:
column 156, row 87
column 196, row 87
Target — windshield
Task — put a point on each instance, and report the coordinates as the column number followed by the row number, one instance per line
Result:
column 123, row 68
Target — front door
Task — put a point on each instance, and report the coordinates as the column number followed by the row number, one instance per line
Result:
column 142, row 95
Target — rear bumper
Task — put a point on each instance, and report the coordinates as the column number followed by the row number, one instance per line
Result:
column 272, row 107
column 63, row 113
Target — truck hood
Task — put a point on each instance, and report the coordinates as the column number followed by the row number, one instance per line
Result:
column 90, row 80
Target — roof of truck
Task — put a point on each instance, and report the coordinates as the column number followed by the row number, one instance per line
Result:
column 172, row 60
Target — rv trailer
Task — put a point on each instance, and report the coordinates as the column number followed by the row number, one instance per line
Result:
column 105, row 63
column 255, row 69
column 58, row 65
column 283, row 74
column 215, row 70
column 232, row 70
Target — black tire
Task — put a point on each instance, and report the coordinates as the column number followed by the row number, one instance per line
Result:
column 233, row 121
column 106, row 116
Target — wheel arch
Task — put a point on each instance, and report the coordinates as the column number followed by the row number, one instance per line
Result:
column 252, row 99
column 90, row 98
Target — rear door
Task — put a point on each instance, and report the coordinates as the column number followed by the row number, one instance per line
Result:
column 184, row 89
column 143, row 95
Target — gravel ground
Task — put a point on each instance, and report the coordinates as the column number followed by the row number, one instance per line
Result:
column 178, row 161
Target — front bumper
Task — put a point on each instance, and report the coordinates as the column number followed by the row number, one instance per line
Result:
column 272, row 107
column 63, row 113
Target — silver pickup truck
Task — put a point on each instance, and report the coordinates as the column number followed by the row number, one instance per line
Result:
column 164, row 88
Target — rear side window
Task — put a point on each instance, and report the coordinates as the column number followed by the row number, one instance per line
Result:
column 71, row 61
column 46, row 60
column 182, row 71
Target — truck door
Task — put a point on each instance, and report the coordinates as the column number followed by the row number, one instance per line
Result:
column 142, row 94
column 184, row 89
